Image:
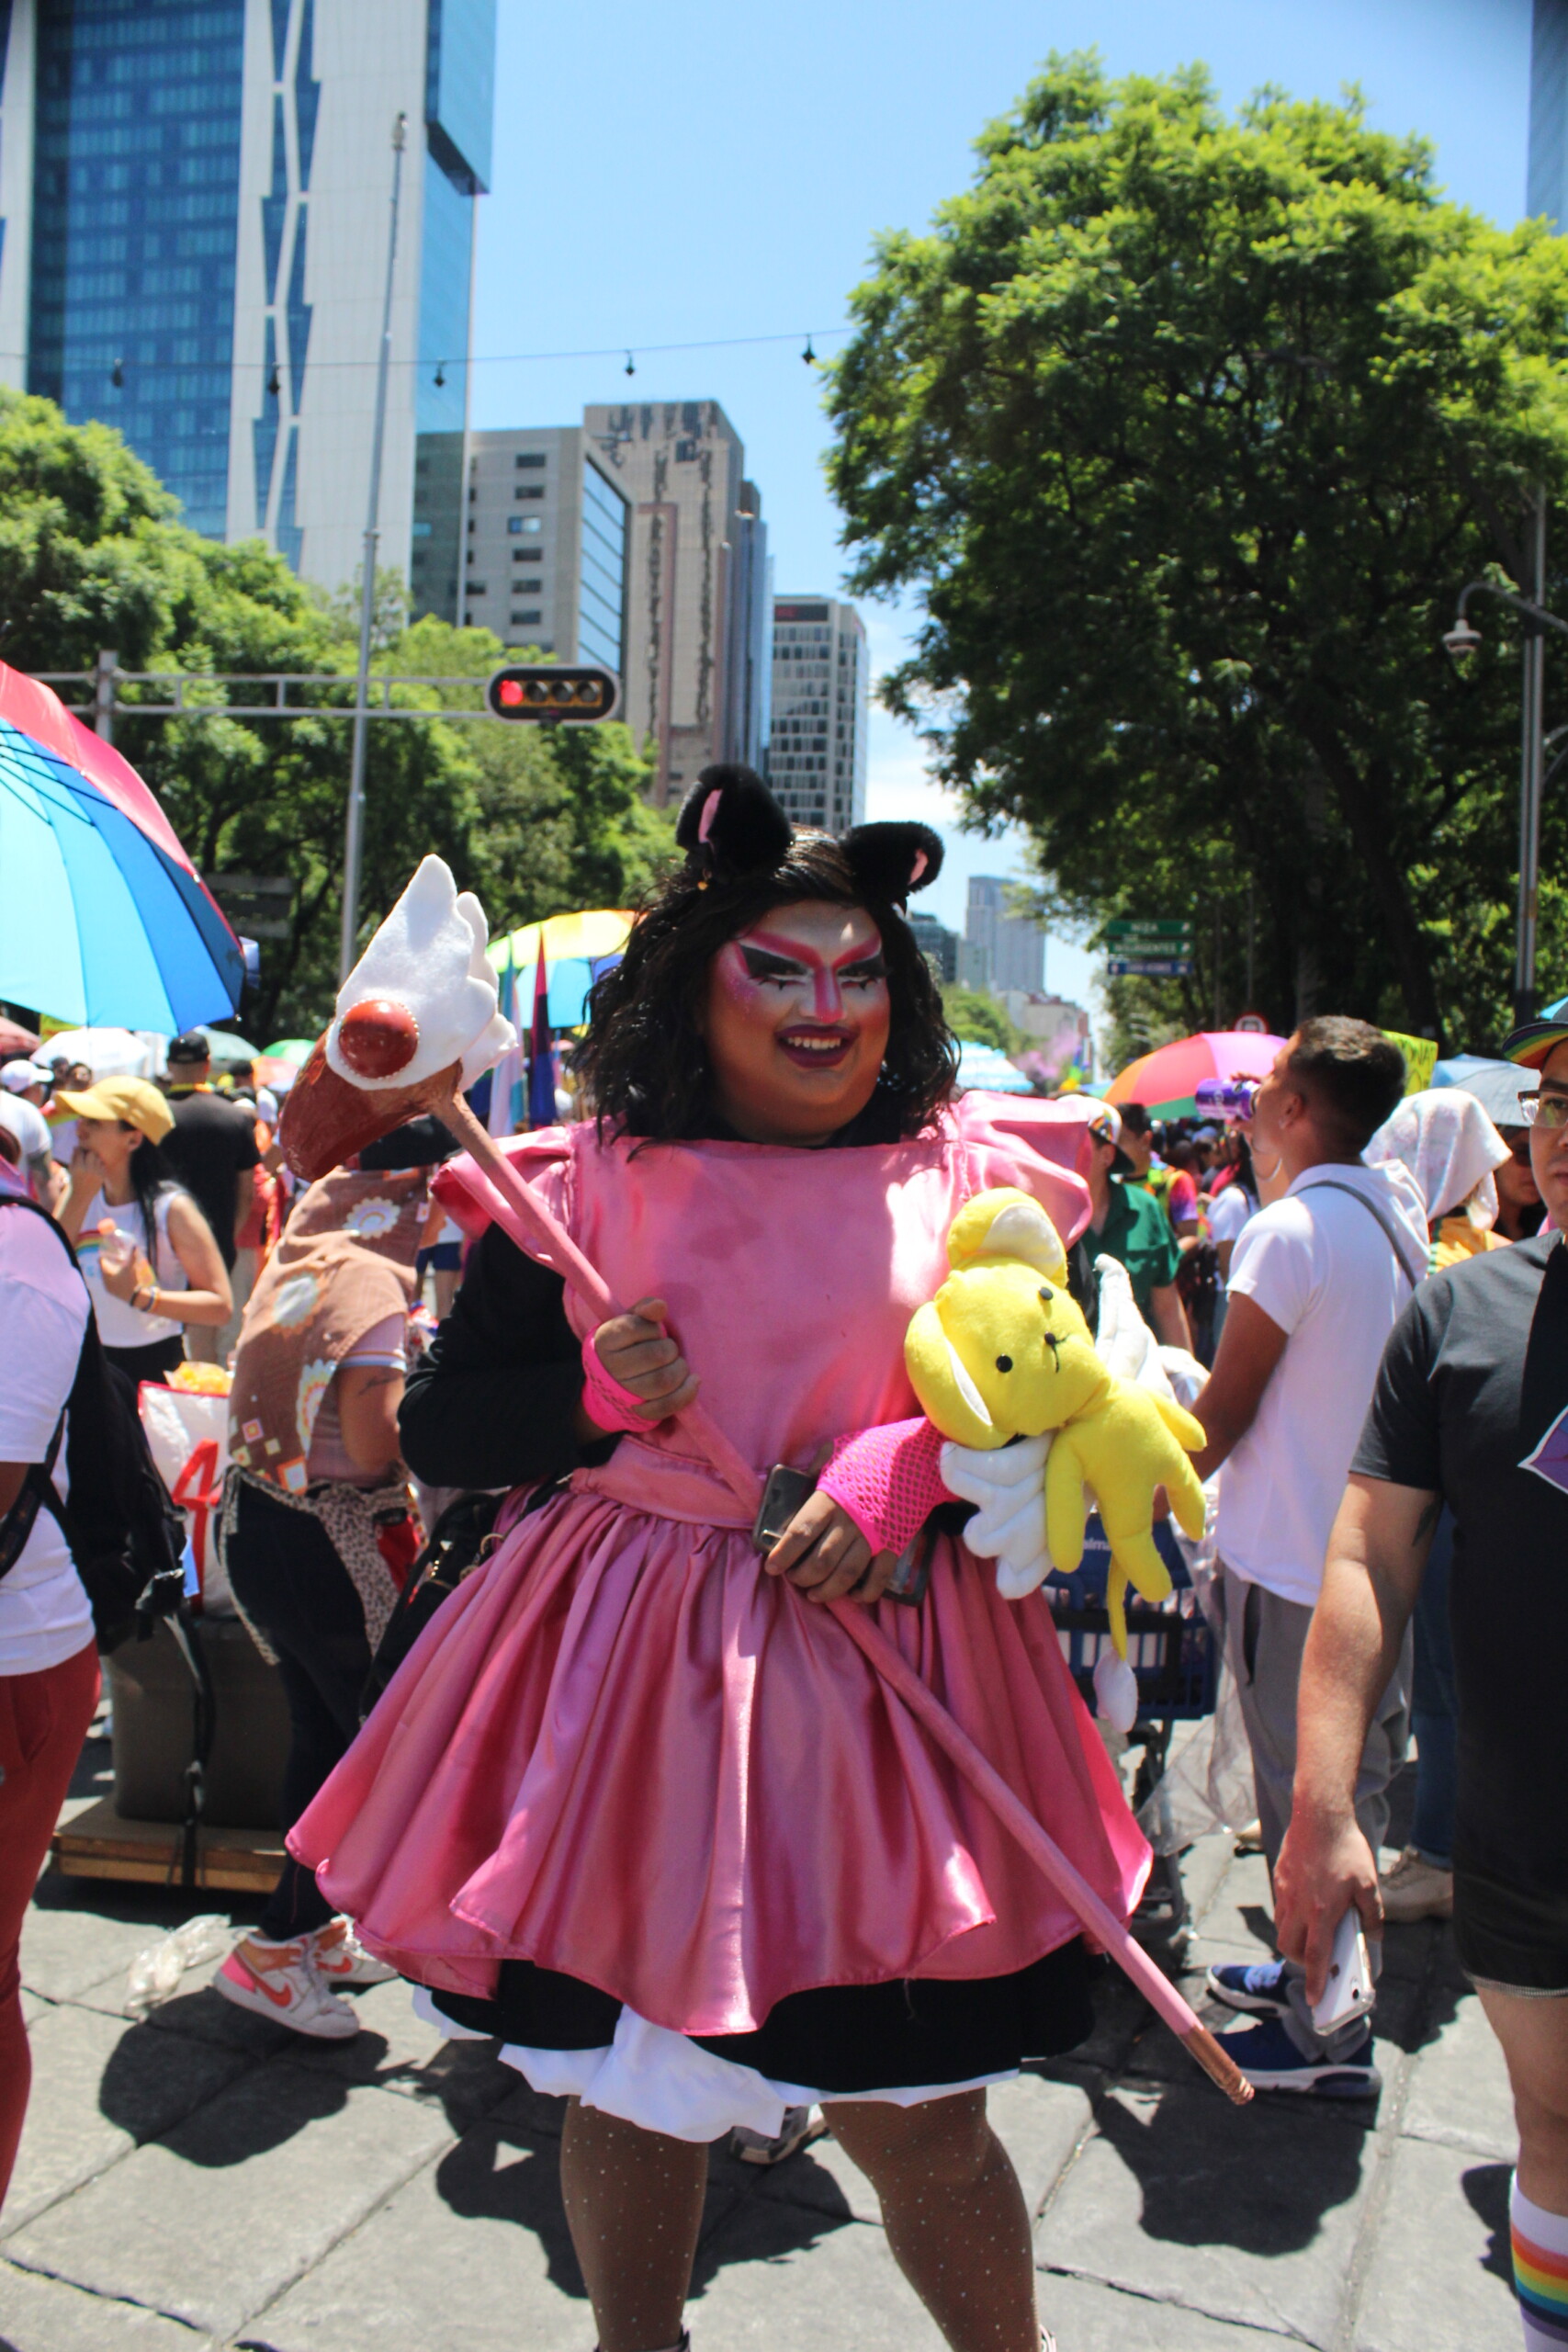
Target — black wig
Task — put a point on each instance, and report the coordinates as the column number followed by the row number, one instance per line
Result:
column 643, row 1063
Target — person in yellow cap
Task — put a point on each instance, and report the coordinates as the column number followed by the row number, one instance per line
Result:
column 147, row 1253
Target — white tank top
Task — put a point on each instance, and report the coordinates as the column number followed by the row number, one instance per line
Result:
column 121, row 1325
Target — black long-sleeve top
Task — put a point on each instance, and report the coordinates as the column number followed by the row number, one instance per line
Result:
column 493, row 1401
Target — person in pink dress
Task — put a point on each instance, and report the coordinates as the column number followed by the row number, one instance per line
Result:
column 635, row 1803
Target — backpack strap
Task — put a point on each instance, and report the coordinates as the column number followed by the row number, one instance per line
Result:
column 1332, row 1184
column 38, row 1490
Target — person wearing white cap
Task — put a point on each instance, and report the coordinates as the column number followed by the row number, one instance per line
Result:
column 19, row 1109
column 30, row 1079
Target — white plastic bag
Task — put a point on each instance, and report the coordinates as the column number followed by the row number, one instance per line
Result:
column 155, row 1973
column 187, row 1435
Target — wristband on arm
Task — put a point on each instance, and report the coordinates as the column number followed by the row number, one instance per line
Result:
column 607, row 1405
column 888, row 1479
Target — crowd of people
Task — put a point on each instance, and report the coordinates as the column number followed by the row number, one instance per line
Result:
column 635, row 1806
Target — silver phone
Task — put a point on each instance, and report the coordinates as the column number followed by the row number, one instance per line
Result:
column 1351, row 1989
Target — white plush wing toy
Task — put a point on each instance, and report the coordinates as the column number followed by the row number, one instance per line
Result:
column 420, row 1004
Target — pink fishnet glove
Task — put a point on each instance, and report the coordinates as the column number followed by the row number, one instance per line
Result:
column 888, row 1480
column 605, row 1402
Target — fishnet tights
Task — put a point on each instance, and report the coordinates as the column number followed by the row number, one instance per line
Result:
column 950, row 2203
column 634, row 2204
column 953, row 2212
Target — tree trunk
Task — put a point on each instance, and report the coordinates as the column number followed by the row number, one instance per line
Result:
column 1359, row 801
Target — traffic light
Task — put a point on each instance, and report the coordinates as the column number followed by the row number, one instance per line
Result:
column 551, row 693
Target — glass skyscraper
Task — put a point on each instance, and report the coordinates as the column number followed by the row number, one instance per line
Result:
column 136, row 180
column 194, row 207
column 1547, row 179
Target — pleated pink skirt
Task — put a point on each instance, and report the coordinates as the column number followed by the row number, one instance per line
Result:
column 624, row 1752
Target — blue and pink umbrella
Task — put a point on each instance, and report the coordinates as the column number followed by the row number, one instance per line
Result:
column 106, row 920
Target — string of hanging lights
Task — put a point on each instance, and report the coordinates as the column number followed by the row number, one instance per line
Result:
column 122, row 367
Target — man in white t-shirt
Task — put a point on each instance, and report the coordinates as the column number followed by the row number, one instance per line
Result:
column 49, row 1667
column 1317, row 1280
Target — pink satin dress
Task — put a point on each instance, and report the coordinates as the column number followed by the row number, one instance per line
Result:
column 624, row 1752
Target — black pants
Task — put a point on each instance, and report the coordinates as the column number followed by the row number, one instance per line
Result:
column 290, row 1582
column 154, row 1362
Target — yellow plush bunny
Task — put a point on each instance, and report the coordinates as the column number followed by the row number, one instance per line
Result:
column 1002, row 1352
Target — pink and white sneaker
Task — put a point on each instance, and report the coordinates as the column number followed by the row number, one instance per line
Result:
column 339, row 1958
column 277, row 1981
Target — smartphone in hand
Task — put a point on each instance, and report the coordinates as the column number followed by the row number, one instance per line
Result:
column 1350, row 1990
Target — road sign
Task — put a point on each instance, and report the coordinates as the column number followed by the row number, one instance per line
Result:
column 1250, row 1025
column 1150, row 967
column 1149, row 942
column 550, row 691
column 1174, row 927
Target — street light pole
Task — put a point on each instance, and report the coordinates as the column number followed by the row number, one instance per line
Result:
column 1531, row 761
column 1461, row 640
column 353, row 829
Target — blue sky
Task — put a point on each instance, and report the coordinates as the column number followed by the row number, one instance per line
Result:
column 680, row 176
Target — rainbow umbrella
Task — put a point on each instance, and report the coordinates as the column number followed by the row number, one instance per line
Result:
column 107, row 922
column 1164, row 1082
column 578, row 947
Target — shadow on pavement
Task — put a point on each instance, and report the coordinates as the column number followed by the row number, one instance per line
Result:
column 1261, row 2183
column 506, row 2168
column 1486, row 2189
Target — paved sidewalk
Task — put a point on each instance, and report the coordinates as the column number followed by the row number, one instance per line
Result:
column 207, row 2179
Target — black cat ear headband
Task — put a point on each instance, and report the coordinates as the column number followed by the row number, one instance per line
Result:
column 731, row 825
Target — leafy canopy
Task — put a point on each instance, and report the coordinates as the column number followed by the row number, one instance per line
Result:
column 982, row 1019
column 92, row 555
column 1186, row 432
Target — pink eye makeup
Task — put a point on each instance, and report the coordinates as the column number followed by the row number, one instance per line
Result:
column 763, row 964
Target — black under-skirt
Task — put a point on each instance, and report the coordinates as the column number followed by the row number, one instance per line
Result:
column 844, row 2040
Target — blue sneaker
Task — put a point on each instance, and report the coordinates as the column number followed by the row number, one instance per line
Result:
column 1259, row 1987
column 1271, row 2061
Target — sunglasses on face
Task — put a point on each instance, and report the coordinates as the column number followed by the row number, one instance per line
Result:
column 1544, row 1110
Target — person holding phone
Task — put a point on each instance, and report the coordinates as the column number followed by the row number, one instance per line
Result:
column 635, row 1803
column 1471, row 1410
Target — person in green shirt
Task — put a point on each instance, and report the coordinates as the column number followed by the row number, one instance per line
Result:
column 1128, row 1224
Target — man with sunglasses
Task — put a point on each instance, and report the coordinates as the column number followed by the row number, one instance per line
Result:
column 1472, row 1409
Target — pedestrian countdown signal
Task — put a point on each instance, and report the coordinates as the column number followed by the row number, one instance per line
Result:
column 551, row 693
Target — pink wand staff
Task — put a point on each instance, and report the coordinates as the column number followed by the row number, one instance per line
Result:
column 525, row 1218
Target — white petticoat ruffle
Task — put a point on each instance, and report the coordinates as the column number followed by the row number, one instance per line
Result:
column 664, row 2082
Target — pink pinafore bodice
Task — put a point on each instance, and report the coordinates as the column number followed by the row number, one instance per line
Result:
column 790, row 1275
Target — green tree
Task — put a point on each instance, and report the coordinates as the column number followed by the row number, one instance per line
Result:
column 92, row 554
column 981, row 1019
column 1186, row 431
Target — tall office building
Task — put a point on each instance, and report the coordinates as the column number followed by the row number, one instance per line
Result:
column 548, row 528
column 193, row 208
column 696, row 672
column 1545, row 188
column 1000, row 952
column 816, row 743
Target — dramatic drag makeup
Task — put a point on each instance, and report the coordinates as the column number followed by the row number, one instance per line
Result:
column 850, row 1014
column 796, row 1023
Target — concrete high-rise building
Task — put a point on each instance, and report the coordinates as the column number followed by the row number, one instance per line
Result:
column 195, row 199
column 1003, row 952
column 549, row 530
column 1546, row 189
column 696, row 672
column 816, row 742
